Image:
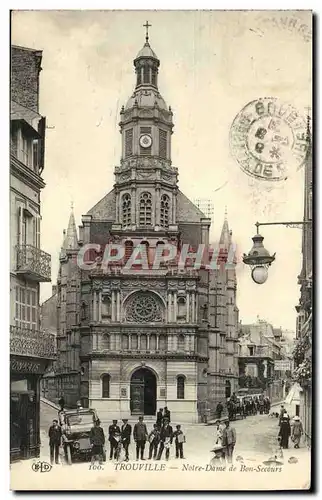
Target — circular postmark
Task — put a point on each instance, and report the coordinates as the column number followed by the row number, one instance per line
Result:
column 268, row 138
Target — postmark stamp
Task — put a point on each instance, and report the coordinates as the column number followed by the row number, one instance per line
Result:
column 288, row 23
column 268, row 139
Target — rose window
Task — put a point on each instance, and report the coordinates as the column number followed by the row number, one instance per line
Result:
column 143, row 308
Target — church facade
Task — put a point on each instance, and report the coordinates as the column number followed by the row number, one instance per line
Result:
column 134, row 338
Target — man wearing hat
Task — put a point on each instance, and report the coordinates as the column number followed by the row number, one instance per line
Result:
column 126, row 430
column 229, row 441
column 297, row 431
column 166, row 438
column 285, row 430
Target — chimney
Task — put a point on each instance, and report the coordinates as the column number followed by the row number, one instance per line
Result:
column 54, row 289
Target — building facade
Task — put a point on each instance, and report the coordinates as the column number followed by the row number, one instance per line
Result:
column 31, row 350
column 133, row 337
column 264, row 366
column 303, row 349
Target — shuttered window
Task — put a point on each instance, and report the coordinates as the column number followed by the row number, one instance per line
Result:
column 128, row 142
column 162, row 144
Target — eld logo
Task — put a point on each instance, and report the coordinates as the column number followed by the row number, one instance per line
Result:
column 41, row 467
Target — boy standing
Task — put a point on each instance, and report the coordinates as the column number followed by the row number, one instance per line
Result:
column 154, row 438
column 179, row 440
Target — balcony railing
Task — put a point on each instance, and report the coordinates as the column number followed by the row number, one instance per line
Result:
column 33, row 263
column 32, row 343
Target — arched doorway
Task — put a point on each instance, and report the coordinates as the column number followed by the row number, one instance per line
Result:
column 143, row 392
column 228, row 389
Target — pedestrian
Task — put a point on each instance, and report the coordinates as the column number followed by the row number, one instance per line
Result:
column 113, row 432
column 166, row 438
column 154, row 439
column 282, row 411
column 97, row 440
column 179, row 440
column 285, row 430
column 219, row 433
column 229, row 441
column 297, row 431
column 140, row 435
column 55, row 435
column 219, row 409
column 166, row 414
column 160, row 418
column 79, row 405
column 61, row 403
column 126, row 430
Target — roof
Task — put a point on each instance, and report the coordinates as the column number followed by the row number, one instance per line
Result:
column 28, row 116
column 187, row 211
column 146, row 51
column 146, row 97
column 105, row 208
column 71, row 240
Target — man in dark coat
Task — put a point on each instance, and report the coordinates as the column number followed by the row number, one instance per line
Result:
column 97, row 440
column 126, row 430
column 219, row 409
column 166, row 415
column 113, row 430
column 140, row 434
column 285, row 430
column 54, row 434
column 159, row 418
column 166, row 438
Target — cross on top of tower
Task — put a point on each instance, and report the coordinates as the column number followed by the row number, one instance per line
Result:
column 147, row 26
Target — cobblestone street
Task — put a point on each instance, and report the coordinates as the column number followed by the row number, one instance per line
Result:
column 256, row 442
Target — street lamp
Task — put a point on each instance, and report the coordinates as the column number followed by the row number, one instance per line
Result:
column 258, row 258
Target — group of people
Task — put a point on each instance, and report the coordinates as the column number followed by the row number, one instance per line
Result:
column 288, row 429
column 160, row 438
column 225, row 441
column 244, row 406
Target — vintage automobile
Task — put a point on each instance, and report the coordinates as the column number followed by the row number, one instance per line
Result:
column 76, row 427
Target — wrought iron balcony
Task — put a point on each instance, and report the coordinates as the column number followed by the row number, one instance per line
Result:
column 33, row 263
column 32, row 343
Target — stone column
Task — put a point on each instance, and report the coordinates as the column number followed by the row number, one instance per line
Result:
column 118, row 305
column 174, row 208
column 193, row 307
column 133, row 205
column 157, row 206
column 113, row 305
column 130, row 343
column 188, row 307
column 158, row 338
column 94, row 305
column 175, row 307
column 148, row 342
column 100, row 306
column 139, row 342
column 196, row 308
column 117, row 203
column 169, row 307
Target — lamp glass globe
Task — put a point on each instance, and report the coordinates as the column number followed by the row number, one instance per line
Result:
column 259, row 274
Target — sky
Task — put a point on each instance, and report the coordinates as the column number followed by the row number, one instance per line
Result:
column 213, row 63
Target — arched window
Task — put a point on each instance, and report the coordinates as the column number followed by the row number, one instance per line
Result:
column 143, row 342
column 181, row 309
column 126, row 210
column 180, row 386
column 162, row 343
column 145, row 209
column 106, row 308
column 153, row 342
column 145, row 251
column 128, row 250
column 106, row 385
column 125, row 342
column 181, row 341
column 106, row 342
column 164, row 210
column 146, row 73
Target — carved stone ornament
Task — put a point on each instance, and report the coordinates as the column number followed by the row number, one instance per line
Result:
column 97, row 285
column 145, row 175
column 125, row 176
column 151, row 284
column 143, row 307
column 145, row 112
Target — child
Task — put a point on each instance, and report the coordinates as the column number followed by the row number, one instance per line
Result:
column 179, row 440
column 154, row 438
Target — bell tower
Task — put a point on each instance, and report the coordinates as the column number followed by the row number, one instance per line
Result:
column 145, row 181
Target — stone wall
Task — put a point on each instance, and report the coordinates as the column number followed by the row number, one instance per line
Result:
column 25, row 69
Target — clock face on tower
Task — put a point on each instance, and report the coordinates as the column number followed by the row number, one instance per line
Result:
column 145, row 141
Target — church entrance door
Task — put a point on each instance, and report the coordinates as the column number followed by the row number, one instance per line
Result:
column 143, row 392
